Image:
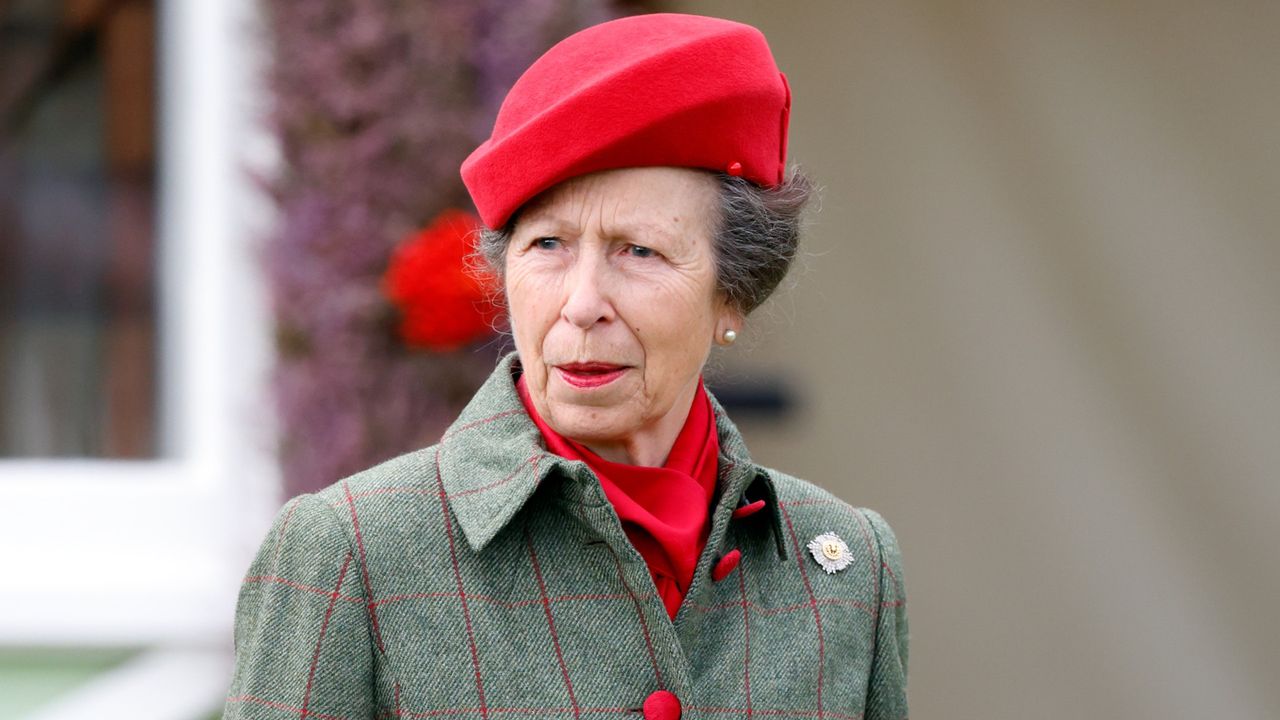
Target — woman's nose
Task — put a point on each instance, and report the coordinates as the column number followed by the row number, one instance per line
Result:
column 588, row 301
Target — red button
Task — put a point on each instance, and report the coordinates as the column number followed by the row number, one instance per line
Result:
column 725, row 565
column 662, row 705
column 746, row 510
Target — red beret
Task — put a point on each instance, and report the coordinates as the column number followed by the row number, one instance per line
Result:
column 658, row 89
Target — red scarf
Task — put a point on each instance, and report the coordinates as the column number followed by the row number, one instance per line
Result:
column 665, row 511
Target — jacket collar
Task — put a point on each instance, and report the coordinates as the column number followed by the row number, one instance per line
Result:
column 493, row 458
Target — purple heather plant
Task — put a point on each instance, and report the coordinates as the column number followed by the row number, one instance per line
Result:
column 375, row 103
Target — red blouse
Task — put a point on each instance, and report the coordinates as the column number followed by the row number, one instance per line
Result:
column 665, row 511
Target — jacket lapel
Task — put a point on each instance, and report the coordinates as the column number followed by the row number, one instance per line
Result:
column 492, row 458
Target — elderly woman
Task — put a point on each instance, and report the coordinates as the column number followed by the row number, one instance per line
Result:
column 591, row 539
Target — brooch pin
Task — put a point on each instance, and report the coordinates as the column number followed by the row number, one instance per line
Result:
column 830, row 552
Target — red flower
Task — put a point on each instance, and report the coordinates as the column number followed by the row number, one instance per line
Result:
column 444, row 302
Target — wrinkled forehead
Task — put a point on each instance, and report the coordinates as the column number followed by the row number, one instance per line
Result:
column 663, row 201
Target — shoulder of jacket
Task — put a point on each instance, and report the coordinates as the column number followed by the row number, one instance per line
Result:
column 305, row 521
column 383, row 496
column 797, row 495
column 414, row 470
column 797, row 492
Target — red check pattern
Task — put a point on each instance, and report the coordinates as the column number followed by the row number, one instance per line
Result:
column 484, row 578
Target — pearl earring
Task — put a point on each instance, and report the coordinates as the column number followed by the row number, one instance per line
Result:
column 729, row 337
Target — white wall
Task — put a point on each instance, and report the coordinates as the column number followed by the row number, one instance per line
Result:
column 151, row 552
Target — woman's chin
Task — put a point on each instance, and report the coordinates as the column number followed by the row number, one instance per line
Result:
column 589, row 424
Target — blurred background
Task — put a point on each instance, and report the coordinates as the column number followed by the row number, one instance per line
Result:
column 1037, row 324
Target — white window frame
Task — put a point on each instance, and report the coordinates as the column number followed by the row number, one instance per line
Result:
column 151, row 552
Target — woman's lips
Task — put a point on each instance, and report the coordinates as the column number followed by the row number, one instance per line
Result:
column 590, row 375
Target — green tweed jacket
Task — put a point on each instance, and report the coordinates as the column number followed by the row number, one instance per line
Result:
column 484, row 577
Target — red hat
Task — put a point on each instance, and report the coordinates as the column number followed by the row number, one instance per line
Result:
column 658, row 89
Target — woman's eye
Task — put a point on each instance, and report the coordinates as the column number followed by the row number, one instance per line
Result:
column 546, row 243
column 640, row 251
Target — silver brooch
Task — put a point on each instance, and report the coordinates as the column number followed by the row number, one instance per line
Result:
column 830, row 552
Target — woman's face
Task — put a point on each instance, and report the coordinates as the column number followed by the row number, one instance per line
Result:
column 611, row 285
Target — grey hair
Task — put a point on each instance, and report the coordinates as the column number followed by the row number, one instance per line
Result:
column 755, row 240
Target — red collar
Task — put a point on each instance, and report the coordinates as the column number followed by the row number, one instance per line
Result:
column 665, row 511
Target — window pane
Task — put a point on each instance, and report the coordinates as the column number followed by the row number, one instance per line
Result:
column 78, row 341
